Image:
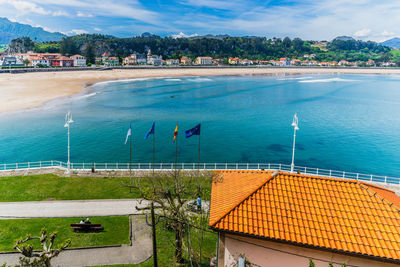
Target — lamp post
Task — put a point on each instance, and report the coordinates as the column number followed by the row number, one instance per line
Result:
column 295, row 125
column 68, row 121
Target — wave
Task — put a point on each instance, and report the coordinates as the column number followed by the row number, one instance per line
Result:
column 83, row 96
column 294, row 78
column 199, row 79
column 327, row 80
column 121, row 81
column 173, row 80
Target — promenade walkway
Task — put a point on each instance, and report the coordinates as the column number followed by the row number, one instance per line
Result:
column 70, row 208
column 139, row 250
column 141, row 243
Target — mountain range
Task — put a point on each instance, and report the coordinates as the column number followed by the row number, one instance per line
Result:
column 394, row 42
column 11, row 30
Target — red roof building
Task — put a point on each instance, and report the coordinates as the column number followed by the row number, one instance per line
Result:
column 285, row 219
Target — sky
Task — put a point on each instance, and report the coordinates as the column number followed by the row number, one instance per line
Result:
column 307, row 19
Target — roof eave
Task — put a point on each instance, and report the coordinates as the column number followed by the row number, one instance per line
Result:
column 349, row 253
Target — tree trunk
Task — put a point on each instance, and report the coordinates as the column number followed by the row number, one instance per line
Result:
column 178, row 242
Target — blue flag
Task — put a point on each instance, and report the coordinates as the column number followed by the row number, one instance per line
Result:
column 151, row 131
column 194, row 131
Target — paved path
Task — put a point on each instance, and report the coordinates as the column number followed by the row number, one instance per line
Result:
column 139, row 251
column 70, row 208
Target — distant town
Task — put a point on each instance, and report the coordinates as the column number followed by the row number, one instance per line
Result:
column 46, row 60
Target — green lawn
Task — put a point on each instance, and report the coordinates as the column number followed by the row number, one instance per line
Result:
column 53, row 187
column 116, row 231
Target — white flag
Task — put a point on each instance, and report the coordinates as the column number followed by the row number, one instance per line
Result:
column 128, row 134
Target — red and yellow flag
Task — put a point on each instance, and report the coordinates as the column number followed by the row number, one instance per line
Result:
column 175, row 133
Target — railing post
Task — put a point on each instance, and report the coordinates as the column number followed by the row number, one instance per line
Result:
column 16, row 166
column 106, row 166
column 194, row 167
column 344, row 173
column 330, row 173
column 161, row 166
column 247, row 166
column 269, row 166
column 305, row 170
column 357, row 176
column 215, row 166
column 280, row 166
column 371, row 177
column 149, row 165
column 226, row 166
column 117, row 166
column 204, row 166
column 317, row 171
column 385, row 179
column 258, row 166
column 29, row 165
column 237, row 166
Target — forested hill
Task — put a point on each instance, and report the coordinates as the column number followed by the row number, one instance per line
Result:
column 259, row 48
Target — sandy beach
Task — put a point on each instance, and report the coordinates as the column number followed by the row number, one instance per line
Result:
column 32, row 90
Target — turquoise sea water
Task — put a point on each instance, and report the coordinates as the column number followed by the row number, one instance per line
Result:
column 347, row 122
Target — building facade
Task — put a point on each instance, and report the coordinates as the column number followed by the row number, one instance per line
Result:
column 204, row 61
column 79, row 61
column 275, row 218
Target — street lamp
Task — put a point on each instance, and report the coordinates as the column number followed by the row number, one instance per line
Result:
column 68, row 121
column 295, row 125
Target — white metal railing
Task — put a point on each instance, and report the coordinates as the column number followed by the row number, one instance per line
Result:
column 194, row 166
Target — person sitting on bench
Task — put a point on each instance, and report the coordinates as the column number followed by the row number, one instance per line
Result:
column 87, row 221
column 82, row 221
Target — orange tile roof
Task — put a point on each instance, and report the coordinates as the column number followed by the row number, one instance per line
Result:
column 336, row 214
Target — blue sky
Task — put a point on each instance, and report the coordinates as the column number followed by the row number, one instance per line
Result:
column 307, row 19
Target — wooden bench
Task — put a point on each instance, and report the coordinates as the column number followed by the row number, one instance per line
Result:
column 86, row 227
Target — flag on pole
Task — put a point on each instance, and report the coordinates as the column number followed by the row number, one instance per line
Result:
column 129, row 133
column 194, row 131
column 175, row 133
column 151, row 131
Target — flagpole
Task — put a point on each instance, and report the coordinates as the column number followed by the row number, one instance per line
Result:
column 176, row 153
column 198, row 158
column 154, row 149
column 130, row 156
column 295, row 128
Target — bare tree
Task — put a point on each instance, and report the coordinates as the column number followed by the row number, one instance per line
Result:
column 171, row 192
column 39, row 257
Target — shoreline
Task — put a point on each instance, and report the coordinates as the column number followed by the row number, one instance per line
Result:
column 33, row 90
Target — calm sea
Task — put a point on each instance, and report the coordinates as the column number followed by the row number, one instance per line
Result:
column 347, row 122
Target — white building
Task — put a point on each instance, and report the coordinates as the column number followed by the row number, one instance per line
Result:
column 204, row 61
column 131, row 60
column 172, row 62
column 36, row 60
column 154, row 59
column 79, row 61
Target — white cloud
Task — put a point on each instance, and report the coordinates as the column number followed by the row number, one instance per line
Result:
column 362, row 33
column 132, row 9
column 97, row 29
column 76, row 32
column 82, row 14
column 217, row 4
column 182, row 35
column 25, row 7
column 59, row 13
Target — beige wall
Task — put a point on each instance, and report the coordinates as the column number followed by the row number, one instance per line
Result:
column 276, row 254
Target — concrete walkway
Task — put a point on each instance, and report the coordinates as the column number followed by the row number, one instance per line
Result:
column 70, row 208
column 139, row 251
